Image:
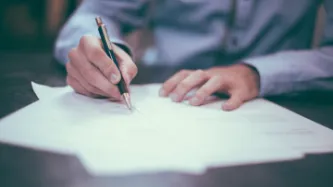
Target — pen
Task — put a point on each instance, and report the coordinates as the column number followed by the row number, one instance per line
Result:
column 110, row 52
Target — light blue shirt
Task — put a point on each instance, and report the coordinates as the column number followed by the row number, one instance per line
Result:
column 274, row 36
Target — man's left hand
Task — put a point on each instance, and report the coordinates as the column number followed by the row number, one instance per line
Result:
column 238, row 81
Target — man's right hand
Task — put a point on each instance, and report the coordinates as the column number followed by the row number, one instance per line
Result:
column 92, row 73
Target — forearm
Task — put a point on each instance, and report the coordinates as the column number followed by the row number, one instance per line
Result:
column 294, row 71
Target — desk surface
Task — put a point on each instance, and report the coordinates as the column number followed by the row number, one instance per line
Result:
column 29, row 168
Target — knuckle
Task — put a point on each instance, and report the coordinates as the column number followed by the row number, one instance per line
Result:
column 184, row 72
column 94, row 54
column 183, row 86
column 200, row 73
column 229, row 77
column 219, row 76
column 168, row 85
column 69, row 68
column 108, row 69
column 202, row 92
column 219, row 79
column 72, row 54
column 84, row 39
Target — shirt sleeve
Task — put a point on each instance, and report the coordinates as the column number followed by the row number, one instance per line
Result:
column 295, row 71
column 120, row 17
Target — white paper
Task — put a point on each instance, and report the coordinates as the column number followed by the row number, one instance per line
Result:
column 31, row 128
column 161, row 135
column 44, row 92
column 189, row 147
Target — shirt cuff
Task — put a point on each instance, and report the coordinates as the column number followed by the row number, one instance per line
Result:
column 267, row 71
column 120, row 43
column 123, row 45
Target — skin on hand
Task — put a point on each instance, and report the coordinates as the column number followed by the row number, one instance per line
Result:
column 239, row 81
column 92, row 73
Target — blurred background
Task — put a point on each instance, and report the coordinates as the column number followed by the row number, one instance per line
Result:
column 32, row 25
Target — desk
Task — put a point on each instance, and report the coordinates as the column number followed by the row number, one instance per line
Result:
column 23, row 167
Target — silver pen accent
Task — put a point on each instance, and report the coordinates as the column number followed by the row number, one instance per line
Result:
column 127, row 100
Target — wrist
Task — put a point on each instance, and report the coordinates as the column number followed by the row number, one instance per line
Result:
column 253, row 72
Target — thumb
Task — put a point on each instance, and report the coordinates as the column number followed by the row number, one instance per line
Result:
column 235, row 101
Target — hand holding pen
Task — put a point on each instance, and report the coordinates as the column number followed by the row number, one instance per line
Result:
column 93, row 73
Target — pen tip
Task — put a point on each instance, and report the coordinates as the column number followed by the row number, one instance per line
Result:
column 128, row 101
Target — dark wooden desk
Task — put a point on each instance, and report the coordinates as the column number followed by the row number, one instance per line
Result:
column 29, row 168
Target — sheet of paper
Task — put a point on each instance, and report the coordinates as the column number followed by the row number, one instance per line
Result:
column 44, row 92
column 124, row 150
column 152, row 138
column 160, row 135
column 31, row 128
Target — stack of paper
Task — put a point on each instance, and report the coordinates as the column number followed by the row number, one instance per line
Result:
column 160, row 135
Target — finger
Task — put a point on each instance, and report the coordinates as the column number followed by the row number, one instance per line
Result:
column 71, row 81
column 235, row 101
column 213, row 85
column 192, row 81
column 92, row 75
column 126, row 65
column 78, row 77
column 171, row 83
column 94, row 52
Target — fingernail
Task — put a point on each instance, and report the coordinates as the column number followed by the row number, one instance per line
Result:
column 162, row 93
column 114, row 78
column 194, row 101
column 174, row 97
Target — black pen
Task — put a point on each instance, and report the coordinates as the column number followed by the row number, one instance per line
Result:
column 108, row 48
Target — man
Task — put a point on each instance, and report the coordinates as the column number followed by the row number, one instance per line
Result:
column 244, row 48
